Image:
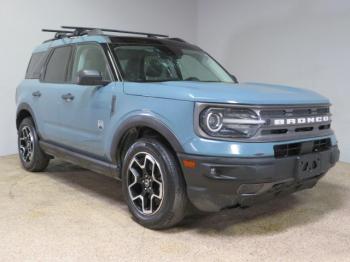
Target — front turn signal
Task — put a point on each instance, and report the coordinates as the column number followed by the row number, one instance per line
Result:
column 189, row 163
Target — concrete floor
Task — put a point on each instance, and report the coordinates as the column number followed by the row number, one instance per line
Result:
column 70, row 214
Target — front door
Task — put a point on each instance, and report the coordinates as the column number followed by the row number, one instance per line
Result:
column 85, row 110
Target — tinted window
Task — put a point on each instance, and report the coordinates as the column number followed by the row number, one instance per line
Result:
column 56, row 70
column 90, row 57
column 35, row 65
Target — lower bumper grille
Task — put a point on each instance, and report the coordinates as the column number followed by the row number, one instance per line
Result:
column 302, row 148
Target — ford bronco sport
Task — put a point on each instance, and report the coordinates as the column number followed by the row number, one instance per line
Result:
column 170, row 122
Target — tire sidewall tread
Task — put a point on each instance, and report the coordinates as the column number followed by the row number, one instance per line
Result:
column 174, row 202
column 40, row 160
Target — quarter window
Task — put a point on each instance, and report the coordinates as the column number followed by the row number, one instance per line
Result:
column 56, row 70
column 35, row 65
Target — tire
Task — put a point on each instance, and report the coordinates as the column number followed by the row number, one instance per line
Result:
column 31, row 155
column 165, row 182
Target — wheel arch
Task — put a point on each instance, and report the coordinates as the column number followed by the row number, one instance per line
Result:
column 138, row 126
column 24, row 110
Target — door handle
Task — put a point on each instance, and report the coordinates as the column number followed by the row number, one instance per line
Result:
column 36, row 94
column 68, row 97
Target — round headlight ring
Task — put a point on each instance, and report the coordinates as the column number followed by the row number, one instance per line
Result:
column 214, row 121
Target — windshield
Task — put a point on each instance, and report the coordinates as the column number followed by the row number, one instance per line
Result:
column 158, row 63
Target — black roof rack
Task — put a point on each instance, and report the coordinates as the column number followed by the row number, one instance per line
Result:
column 56, row 31
column 59, row 33
column 79, row 31
column 177, row 39
column 85, row 29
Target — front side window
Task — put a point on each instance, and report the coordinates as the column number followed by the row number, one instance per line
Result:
column 90, row 57
column 57, row 67
column 156, row 63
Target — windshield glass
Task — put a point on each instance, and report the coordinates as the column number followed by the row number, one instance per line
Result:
column 158, row 63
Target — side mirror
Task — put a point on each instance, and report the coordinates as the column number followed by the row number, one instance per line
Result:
column 90, row 78
column 234, row 78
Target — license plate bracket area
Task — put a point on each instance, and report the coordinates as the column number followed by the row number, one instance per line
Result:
column 308, row 166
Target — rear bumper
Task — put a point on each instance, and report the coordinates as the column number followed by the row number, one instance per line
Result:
column 217, row 183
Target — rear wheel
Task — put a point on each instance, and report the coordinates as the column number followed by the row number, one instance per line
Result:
column 153, row 185
column 31, row 156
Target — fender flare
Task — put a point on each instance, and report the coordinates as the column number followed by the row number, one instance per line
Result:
column 25, row 106
column 143, row 121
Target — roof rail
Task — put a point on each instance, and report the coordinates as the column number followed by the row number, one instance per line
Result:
column 177, row 39
column 81, row 30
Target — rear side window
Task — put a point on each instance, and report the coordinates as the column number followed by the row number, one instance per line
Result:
column 57, row 67
column 35, row 65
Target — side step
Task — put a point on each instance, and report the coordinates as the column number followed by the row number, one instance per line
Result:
column 93, row 164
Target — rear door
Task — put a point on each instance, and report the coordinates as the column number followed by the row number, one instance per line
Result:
column 53, row 81
column 32, row 89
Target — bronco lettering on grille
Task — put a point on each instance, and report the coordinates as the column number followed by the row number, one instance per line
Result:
column 300, row 120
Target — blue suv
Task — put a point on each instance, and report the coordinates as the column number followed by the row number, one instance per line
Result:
column 170, row 122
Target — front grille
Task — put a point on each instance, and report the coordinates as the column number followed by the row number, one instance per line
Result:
column 294, row 129
column 294, row 112
column 302, row 148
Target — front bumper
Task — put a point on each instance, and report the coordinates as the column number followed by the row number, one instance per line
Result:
column 216, row 183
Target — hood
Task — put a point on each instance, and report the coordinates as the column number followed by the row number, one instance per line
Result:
column 242, row 93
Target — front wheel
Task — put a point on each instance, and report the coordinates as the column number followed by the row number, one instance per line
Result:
column 153, row 185
column 31, row 156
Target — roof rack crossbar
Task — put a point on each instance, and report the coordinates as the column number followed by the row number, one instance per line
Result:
column 59, row 33
column 80, row 29
column 56, row 31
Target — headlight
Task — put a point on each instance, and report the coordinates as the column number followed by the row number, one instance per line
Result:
column 229, row 122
